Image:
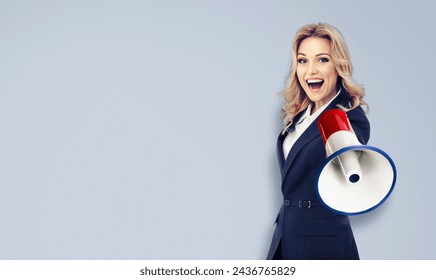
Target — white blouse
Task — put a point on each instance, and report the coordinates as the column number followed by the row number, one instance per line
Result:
column 301, row 125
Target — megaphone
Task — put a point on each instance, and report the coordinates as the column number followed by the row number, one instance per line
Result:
column 355, row 178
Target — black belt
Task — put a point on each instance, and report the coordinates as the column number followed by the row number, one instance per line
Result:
column 302, row 203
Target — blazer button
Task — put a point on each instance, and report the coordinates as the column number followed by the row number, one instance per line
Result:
column 287, row 202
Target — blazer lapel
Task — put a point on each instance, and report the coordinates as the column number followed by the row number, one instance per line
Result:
column 279, row 149
column 309, row 134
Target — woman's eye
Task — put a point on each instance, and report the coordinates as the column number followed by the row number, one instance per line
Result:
column 301, row 60
column 323, row 59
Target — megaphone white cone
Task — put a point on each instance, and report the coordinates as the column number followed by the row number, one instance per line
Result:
column 375, row 185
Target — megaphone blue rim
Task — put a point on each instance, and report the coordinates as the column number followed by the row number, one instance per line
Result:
column 356, row 147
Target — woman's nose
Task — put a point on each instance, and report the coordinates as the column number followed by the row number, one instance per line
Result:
column 312, row 68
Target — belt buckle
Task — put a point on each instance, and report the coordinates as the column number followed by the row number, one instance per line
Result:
column 307, row 204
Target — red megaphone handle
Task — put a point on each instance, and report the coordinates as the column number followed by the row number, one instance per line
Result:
column 332, row 121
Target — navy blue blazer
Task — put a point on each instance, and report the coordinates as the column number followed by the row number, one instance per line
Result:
column 304, row 232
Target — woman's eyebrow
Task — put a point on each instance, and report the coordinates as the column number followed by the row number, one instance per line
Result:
column 303, row 54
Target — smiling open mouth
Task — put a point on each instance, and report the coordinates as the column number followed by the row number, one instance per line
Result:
column 315, row 83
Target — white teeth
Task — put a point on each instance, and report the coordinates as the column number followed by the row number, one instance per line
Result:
column 315, row 81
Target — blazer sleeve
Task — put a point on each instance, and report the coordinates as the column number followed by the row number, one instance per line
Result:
column 360, row 124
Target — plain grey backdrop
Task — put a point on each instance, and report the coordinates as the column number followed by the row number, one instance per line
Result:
column 146, row 129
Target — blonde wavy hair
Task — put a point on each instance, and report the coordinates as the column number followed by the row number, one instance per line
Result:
column 294, row 98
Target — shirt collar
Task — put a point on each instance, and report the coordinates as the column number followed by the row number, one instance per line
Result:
column 307, row 115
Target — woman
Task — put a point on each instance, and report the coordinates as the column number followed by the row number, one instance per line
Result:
column 319, row 80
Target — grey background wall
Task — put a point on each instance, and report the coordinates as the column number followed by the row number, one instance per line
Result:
column 146, row 129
